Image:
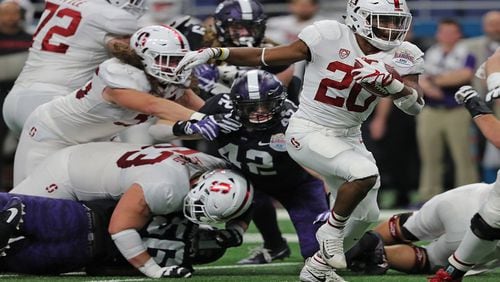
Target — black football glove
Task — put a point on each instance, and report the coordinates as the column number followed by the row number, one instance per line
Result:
column 230, row 237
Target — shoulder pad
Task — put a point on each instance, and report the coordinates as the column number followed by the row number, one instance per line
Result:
column 327, row 29
column 116, row 74
column 116, row 21
column 408, row 59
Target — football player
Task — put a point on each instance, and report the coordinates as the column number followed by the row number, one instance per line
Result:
column 124, row 91
column 57, row 236
column 340, row 90
column 70, row 41
column 484, row 231
column 146, row 181
column 242, row 23
column 442, row 221
column 258, row 100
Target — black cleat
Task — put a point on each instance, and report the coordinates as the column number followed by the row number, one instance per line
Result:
column 11, row 217
column 261, row 255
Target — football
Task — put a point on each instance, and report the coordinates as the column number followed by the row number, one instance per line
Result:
column 373, row 88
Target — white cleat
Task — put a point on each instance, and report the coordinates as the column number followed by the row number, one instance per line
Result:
column 331, row 248
column 315, row 271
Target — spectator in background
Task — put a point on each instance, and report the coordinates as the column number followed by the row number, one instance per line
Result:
column 14, row 44
column 443, row 122
column 284, row 29
column 482, row 47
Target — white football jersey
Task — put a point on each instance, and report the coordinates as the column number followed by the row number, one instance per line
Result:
column 330, row 97
column 69, row 42
column 105, row 170
column 84, row 116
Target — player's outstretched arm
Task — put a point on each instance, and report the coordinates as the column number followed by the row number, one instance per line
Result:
column 131, row 214
column 280, row 55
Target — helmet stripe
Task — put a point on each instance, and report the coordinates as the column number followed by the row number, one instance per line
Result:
column 177, row 35
column 247, row 198
column 246, row 9
column 253, row 84
column 396, row 5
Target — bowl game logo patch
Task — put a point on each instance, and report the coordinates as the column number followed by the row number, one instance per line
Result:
column 278, row 142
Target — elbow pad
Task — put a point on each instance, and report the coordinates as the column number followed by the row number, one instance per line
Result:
column 409, row 103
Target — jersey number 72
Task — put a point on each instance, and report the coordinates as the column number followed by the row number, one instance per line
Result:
column 50, row 11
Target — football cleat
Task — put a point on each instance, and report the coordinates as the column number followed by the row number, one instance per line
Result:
column 331, row 247
column 442, row 276
column 176, row 272
column 262, row 255
column 11, row 218
column 316, row 271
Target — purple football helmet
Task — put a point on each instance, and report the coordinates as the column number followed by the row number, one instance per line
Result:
column 258, row 98
column 240, row 23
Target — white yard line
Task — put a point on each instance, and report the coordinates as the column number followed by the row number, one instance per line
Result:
column 384, row 214
column 120, row 280
column 280, row 264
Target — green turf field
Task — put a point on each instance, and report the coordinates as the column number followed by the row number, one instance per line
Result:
column 225, row 269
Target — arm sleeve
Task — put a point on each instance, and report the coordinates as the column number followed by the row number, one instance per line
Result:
column 119, row 22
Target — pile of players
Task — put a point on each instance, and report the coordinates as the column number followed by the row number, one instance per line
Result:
column 96, row 185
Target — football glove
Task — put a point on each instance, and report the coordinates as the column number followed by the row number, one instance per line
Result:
column 465, row 93
column 376, row 73
column 474, row 104
column 176, row 272
column 230, row 237
column 195, row 58
column 493, row 94
column 206, row 127
column 207, row 76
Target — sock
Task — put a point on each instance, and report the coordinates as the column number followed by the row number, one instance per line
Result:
column 337, row 223
column 264, row 217
column 471, row 250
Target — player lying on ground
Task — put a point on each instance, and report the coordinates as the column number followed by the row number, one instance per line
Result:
column 147, row 180
column 442, row 221
column 52, row 236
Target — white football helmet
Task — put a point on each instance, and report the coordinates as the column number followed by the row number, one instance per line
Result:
column 384, row 23
column 135, row 7
column 161, row 48
column 218, row 196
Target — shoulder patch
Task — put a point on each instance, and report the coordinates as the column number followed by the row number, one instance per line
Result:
column 407, row 56
column 278, row 142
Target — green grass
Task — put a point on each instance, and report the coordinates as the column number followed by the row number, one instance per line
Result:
column 226, row 269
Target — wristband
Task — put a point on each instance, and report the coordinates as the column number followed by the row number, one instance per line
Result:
column 222, row 54
column 197, row 116
column 493, row 81
column 262, row 57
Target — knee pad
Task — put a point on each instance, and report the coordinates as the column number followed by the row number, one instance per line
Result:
column 398, row 232
column 483, row 230
column 422, row 265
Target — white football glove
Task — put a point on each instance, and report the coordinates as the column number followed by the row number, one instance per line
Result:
column 376, row 73
column 465, row 93
column 196, row 58
column 493, row 94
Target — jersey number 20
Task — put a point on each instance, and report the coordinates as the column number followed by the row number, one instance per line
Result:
column 346, row 81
